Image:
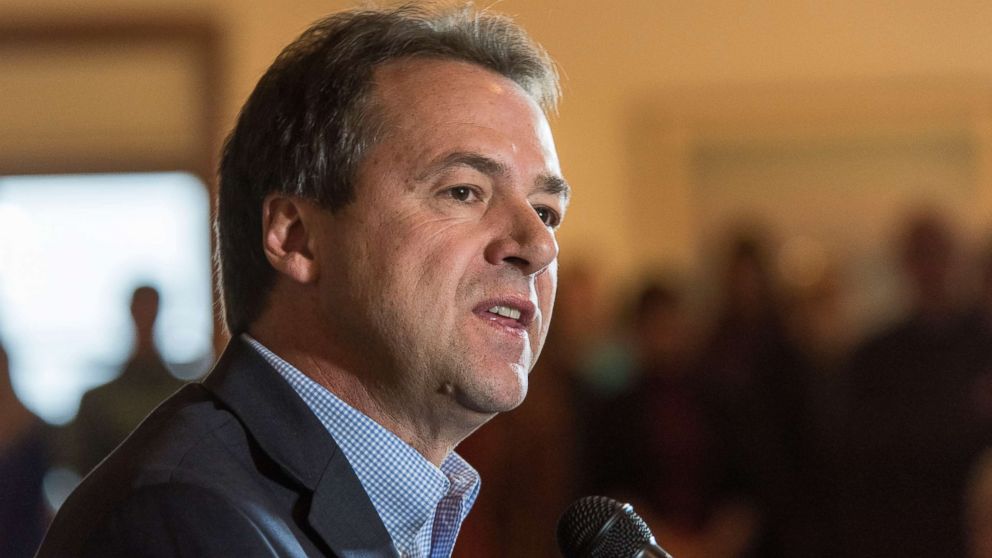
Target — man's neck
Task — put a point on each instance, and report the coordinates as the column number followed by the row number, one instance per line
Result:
column 354, row 388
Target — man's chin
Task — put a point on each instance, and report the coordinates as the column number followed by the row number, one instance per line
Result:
column 501, row 392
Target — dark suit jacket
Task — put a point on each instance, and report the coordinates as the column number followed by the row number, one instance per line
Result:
column 235, row 466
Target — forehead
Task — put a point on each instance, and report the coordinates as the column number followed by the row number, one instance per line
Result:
column 423, row 83
column 450, row 101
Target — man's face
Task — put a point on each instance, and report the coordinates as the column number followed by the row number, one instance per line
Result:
column 438, row 281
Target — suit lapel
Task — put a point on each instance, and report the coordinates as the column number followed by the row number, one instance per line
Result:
column 341, row 512
column 287, row 430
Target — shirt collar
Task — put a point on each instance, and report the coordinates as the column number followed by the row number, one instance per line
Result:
column 387, row 467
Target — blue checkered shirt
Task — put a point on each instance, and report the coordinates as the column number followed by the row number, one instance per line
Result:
column 421, row 506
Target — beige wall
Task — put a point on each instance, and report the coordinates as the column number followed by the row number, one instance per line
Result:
column 622, row 61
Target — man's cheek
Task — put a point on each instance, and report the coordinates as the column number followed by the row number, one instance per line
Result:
column 547, row 286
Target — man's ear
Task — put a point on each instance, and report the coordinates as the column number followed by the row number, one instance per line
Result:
column 287, row 237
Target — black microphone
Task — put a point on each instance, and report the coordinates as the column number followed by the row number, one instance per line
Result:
column 601, row 527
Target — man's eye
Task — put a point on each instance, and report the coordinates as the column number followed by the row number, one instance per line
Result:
column 548, row 216
column 462, row 193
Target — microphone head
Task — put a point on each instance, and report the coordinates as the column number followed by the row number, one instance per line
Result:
column 601, row 527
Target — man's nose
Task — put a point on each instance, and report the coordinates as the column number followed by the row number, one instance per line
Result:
column 525, row 242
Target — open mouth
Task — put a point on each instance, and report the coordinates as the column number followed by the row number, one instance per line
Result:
column 508, row 312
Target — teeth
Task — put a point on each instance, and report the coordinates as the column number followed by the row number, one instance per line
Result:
column 506, row 312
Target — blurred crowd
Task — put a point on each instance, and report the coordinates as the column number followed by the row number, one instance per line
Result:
column 765, row 427
column 40, row 463
column 755, row 430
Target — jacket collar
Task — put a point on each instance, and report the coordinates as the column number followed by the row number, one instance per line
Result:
column 286, row 429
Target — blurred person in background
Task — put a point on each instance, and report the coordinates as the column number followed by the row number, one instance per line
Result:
column 913, row 430
column 574, row 355
column 979, row 322
column 978, row 508
column 24, row 459
column 760, row 385
column 665, row 454
column 978, row 495
column 107, row 414
column 818, row 324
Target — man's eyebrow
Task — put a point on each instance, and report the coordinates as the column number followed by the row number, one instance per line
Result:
column 556, row 186
column 547, row 184
column 481, row 163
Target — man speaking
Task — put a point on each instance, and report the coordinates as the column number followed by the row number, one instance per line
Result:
column 386, row 237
